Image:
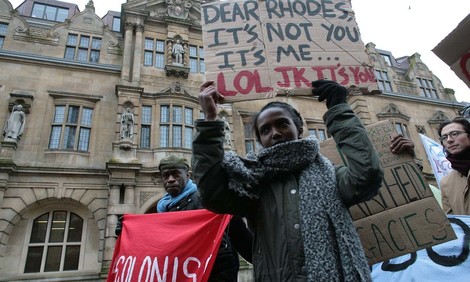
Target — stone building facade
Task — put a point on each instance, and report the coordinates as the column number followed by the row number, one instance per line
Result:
column 69, row 176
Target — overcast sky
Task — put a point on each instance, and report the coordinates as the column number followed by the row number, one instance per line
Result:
column 403, row 27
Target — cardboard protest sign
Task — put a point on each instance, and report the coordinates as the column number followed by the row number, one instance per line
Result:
column 173, row 246
column 256, row 49
column 404, row 216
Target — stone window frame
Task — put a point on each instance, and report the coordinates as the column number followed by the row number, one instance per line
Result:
column 316, row 126
column 427, row 87
column 249, row 136
column 173, row 122
column 196, row 59
column 90, row 234
column 155, row 52
column 387, row 59
column 44, row 15
column 146, row 127
column 116, row 24
column 3, row 33
column 76, row 100
column 402, row 128
column 383, row 80
column 320, row 133
column 93, row 52
column 63, row 243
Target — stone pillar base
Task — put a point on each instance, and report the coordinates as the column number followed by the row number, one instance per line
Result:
column 8, row 148
column 124, row 151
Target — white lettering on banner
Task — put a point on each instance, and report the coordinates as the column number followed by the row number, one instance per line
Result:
column 129, row 263
column 150, row 270
column 185, row 268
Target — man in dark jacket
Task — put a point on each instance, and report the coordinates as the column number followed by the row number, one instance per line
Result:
column 181, row 194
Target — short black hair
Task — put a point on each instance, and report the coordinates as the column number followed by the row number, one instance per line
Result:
column 294, row 114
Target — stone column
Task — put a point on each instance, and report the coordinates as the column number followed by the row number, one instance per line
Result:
column 2, row 192
column 139, row 30
column 113, row 195
column 4, row 177
column 169, row 48
column 129, row 194
column 126, row 57
column 109, row 241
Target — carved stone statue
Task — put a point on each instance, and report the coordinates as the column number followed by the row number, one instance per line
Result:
column 228, row 134
column 177, row 53
column 15, row 124
column 127, row 125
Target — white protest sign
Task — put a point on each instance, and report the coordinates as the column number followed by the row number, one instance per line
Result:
column 253, row 49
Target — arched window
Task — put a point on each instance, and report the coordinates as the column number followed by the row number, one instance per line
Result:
column 55, row 242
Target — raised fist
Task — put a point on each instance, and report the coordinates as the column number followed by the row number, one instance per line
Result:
column 330, row 91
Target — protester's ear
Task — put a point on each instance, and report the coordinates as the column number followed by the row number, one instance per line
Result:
column 300, row 131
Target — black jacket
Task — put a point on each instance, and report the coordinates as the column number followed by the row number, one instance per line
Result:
column 237, row 238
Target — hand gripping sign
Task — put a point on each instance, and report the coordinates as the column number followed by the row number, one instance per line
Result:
column 174, row 246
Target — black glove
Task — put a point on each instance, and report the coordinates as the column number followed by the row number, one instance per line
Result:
column 118, row 228
column 331, row 91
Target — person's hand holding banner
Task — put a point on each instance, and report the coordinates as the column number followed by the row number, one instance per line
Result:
column 174, row 246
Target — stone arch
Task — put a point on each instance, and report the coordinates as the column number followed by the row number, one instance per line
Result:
column 16, row 203
column 19, row 228
column 150, row 204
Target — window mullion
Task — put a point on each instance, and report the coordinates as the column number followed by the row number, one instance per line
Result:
column 77, row 130
column 66, row 126
column 46, row 242
column 64, row 242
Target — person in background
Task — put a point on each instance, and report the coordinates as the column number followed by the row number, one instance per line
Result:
column 295, row 200
column 182, row 194
column 455, row 138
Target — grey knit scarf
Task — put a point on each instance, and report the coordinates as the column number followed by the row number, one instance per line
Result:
column 327, row 228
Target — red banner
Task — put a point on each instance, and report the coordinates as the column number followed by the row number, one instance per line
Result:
column 172, row 246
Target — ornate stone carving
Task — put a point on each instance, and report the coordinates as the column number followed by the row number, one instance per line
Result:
column 178, row 8
column 438, row 117
column 177, row 71
column 391, row 110
column 144, row 196
column 128, row 26
column 139, row 27
column 421, row 129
